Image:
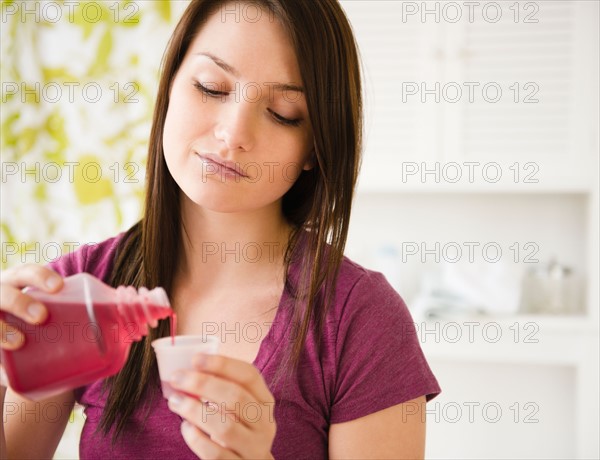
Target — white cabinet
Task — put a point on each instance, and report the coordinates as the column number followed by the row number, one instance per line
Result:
column 525, row 377
column 487, row 129
column 478, row 104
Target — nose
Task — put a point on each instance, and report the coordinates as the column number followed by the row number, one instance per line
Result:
column 236, row 125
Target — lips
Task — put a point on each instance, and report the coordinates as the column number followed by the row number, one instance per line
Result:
column 228, row 166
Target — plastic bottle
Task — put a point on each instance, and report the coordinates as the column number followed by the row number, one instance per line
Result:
column 86, row 336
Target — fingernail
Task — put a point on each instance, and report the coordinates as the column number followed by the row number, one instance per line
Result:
column 200, row 360
column 175, row 400
column 53, row 282
column 3, row 378
column 35, row 311
column 13, row 337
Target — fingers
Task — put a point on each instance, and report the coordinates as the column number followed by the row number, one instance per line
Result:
column 202, row 445
column 235, row 417
column 235, row 370
column 32, row 275
column 10, row 337
column 212, row 388
column 221, row 427
column 21, row 305
column 236, row 385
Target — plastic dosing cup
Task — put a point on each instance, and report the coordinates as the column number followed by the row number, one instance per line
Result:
column 173, row 357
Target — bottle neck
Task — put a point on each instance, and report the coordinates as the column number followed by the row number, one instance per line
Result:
column 142, row 308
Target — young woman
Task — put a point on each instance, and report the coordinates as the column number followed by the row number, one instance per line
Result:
column 253, row 158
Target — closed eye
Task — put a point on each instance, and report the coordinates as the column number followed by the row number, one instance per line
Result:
column 278, row 118
column 209, row 92
column 285, row 121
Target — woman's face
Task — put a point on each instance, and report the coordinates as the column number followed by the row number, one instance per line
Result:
column 235, row 139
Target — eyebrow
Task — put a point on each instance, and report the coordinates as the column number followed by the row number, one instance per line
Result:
column 229, row 69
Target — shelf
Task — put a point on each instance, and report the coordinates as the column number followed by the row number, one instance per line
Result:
column 392, row 176
column 518, row 339
column 384, row 188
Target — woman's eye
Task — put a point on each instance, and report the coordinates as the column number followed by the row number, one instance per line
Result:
column 278, row 118
column 209, row 92
column 285, row 121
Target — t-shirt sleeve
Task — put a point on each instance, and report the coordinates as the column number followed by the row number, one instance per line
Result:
column 93, row 258
column 379, row 359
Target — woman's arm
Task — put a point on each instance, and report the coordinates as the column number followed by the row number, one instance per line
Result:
column 33, row 429
column 397, row 432
column 29, row 429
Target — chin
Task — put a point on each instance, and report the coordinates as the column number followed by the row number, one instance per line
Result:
column 217, row 202
column 227, row 198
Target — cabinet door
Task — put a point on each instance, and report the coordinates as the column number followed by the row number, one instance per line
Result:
column 502, row 94
column 396, row 56
column 532, row 106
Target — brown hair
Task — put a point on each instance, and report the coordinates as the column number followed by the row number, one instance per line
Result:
column 318, row 204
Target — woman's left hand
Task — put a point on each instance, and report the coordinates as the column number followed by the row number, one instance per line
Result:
column 239, row 420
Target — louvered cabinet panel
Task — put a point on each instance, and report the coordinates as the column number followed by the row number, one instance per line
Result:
column 541, row 113
column 394, row 54
column 520, row 92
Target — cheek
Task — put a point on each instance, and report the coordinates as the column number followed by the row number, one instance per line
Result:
column 186, row 119
column 283, row 170
column 290, row 173
column 287, row 145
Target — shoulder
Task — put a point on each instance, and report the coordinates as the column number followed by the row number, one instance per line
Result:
column 94, row 258
column 352, row 272
column 361, row 290
column 367, row 309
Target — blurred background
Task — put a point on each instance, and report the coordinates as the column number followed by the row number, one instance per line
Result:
column 478, row 196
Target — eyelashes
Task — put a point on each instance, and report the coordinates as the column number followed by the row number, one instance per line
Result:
column 209, row 92
column 278, row 118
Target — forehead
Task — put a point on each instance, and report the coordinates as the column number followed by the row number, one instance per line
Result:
column 256, row 45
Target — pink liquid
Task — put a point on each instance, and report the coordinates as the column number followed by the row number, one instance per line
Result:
column 173, row 327
column 68, row 350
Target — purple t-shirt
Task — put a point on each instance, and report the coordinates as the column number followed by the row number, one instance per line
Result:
column 370, row 359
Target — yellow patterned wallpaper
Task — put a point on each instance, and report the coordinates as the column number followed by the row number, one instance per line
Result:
column 78, row 88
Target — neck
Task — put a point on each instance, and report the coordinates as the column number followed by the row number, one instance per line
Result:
column 232, row 249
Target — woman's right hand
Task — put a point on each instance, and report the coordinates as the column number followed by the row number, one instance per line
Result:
column 17, row 303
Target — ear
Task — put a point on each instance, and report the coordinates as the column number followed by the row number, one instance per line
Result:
column 310, row 162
